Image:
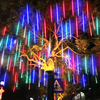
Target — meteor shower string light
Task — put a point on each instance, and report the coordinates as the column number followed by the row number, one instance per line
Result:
column 13, row 70
column 72, row 7
column 78, row 7
column 4, row 30
column 11, row 43
column 24, row 32
column 8, row 62
column 57, row 14
column 83, row 20
column 63, row 8
column 22, row 69
column 2, row 57
column 34, row 34
column 26, row 40
column 62, row 32
column 15, row 77
column 77, row 79
column 99, row 61
column 1, row 42
column 14, row 88
column 97, row 25
column 84, row 81
column 70, row 28
column 66, row 29
column 51, row 13
column 96, row 81
column 7, row 41
column 17, row 27
column 45, row 29
column 44, row 81
column 27, row 14
column 73, row 63
column 49, row 50
column 87, row 9
column 65, row 84
column 39, row 78
column 33, row 81
column 85, row 62
column 76, row 27
column 15, row 58
column 19, row 48
column 69, row 58
column 58, row 72
column 23, row 20
column 29, row 38
column 69, row 79
column 27, row 77
column 42, row 38
column 93, row 21
column 55, row 30
column 16, row 84
column 90, row 28
column 78, row 67
column 37, row 19
column 93, row 67
column 30, row 77
column 5, row 75
column 73, row 79
column 20, row 63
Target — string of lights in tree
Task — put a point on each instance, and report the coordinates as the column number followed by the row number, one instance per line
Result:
column 36, row 43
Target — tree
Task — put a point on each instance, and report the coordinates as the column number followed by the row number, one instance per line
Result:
column 42, row 42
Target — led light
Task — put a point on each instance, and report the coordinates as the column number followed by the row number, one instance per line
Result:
column 57, row 13
column 29, row 38
column 17, row 28
column 45, row 28
column 63, row 9
column 51, row 13
column 23, row 21
column 27, row 14
column 66, row 29
column 85, row 61
column 70, row 28
column 37, row 18
column 2, row 57
column 78, row 7
column 76, row 27
column 72, row 8
column 97, row 25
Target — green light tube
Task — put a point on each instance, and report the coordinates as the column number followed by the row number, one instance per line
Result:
column 96, row 80
column 26, row 77
column 97, row 25
column 17, row 28
column 19, row 49
column 30, row 78
column 68, row 76
column 1, row 41
column 7, row 41
column 85, row 62
column 29, row 38
column 15, row 58
column 8, row 62
column 17, row 84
